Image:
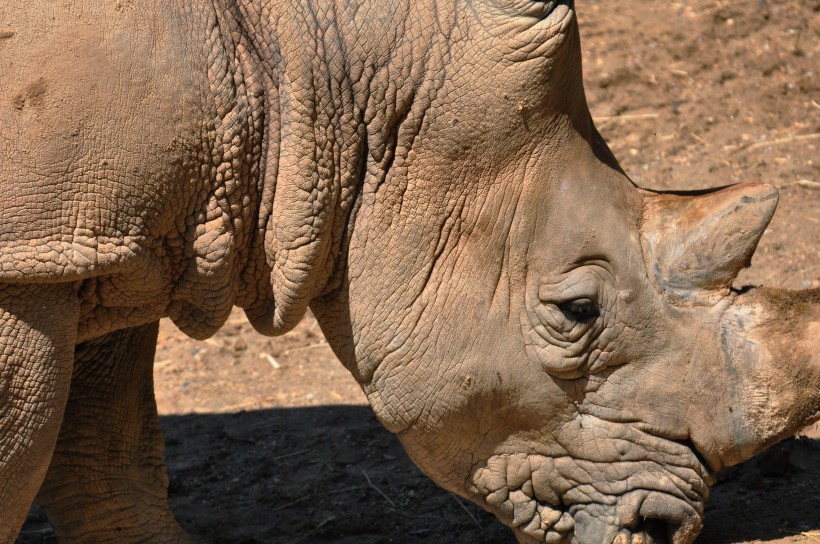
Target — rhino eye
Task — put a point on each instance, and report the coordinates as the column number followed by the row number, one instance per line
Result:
column 580, row 309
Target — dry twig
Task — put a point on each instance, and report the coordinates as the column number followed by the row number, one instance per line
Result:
column 808, row 184
column 292, row 454
column 627, row 117
column 273, row 362
column 698, row 138
column 472, row 517
column 314, row 495
column 379, row 490
column 309, row 346
column 812, row 535
column 771, row 143
column 288, row 505
column 256, row 404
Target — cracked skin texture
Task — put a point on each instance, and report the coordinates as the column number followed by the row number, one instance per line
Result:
column 545, row 338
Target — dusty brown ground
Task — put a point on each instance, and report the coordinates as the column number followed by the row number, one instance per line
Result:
column 268, row 439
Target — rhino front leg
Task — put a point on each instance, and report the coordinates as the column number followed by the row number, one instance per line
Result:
column 38, row 325
column 107, row 481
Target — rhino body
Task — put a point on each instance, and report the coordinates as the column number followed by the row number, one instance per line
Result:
column 545, row 338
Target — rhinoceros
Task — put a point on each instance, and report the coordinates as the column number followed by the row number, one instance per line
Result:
column 545, row 338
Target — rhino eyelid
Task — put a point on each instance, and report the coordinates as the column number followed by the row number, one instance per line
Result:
column 594, row 260
column 549, row 295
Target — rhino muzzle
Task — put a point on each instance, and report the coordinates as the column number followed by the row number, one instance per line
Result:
column 605, row 482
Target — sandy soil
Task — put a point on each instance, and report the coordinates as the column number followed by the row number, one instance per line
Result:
column 269, row 441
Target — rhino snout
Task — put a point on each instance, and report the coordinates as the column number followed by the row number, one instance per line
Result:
column 601, row 482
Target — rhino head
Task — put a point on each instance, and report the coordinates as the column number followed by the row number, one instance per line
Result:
column 547, row 339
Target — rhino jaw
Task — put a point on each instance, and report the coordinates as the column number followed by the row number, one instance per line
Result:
column 770, row 341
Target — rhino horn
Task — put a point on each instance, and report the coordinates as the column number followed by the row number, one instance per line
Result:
column 769, row 339
column 695, row 242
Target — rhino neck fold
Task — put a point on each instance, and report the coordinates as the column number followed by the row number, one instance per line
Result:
column 309, row 161
column 335, row 123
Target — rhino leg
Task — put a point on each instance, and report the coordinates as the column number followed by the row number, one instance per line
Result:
column 38, row 326
column 107, row 481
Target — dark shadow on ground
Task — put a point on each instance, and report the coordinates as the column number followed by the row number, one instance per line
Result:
column 775, row 495
column 294, row 476
column 301, row 476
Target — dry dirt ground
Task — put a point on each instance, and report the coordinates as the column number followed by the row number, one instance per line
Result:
column 270, row 441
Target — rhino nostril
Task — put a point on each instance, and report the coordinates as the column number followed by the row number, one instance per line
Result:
column 668, row 520
column 653, row 531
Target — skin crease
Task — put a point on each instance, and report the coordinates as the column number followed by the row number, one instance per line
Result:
column 429, row 180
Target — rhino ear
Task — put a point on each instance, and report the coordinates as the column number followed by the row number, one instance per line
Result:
column 701, row 241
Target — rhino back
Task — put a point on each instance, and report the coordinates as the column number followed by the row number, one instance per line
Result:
column 121, row 132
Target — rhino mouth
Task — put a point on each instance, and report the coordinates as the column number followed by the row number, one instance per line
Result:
column 661, row 519
column 614, row 484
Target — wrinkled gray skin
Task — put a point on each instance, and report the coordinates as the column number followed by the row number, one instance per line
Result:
column 546, row 339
